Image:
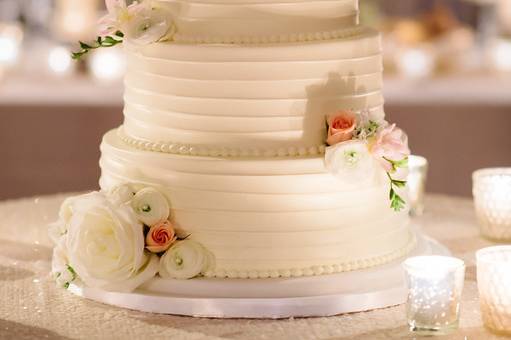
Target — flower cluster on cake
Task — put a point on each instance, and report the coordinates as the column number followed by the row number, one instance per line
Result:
column 120, row 239
column 357, row 140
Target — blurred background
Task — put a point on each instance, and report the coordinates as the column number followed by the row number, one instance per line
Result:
column 447, row 83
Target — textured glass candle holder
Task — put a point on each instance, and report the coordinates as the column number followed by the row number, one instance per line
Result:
column 494, row 284
column 416, row 183
column 435, row 284
column 492, row 198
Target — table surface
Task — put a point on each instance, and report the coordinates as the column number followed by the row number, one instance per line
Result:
column 32, row 307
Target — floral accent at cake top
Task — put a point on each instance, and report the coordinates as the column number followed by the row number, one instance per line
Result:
column 119, row 239
column 142, row 22
column 357, row 140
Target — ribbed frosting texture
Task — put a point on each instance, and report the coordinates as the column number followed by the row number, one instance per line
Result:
column 268, row 217
column 252, row 18
column 267, row 97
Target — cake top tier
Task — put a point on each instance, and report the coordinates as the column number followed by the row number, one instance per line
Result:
column 220, row 19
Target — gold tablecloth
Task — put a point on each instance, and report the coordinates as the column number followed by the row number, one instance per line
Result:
column 32, row 307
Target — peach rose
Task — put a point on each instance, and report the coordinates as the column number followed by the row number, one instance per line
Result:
column 341, row 127
column 160, row 237
column 391, row 144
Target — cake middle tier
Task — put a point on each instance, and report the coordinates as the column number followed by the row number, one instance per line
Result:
column 268, row 217
column 262, row 96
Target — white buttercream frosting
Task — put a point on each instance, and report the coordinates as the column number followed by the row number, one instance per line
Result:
column 252, row 18
column 268, row 97
column 268, row 217
column 228, row 120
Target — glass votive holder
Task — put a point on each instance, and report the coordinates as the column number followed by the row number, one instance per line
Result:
column 434, row 284
column 416, row 183
column 492, row 198
column 494, row 284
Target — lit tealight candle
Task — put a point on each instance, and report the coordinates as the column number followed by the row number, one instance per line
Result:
column 494, row 284
column 492, row 198
column 435, row 284
column 416, row 183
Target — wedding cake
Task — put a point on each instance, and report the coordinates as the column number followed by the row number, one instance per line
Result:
column 254, row 146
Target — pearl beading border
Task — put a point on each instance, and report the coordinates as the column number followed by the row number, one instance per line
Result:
column 228, row 152
column 314, row 270
column 271, row 39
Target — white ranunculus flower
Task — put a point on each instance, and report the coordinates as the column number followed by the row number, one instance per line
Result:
column 105, row 245
column 121, row 194
column 149, row 25
column 350, row 161
column 150, row 206
column 185, row 260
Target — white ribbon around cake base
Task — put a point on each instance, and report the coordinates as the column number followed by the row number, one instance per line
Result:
column 341, row 293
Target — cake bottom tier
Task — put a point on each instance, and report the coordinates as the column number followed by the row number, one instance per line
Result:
column 275, row 217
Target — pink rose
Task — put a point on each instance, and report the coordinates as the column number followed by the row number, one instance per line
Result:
column 160, row 237
column 341, row 127
column 391, row 144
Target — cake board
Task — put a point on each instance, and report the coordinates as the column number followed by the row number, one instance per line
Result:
column 347, row 292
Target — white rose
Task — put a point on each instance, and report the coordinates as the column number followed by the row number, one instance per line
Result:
column 121, row 194
column 59, row 228
column 59, row 258
column 105, row 245
column 64, row 278
column 66, row 209
column 150, row 206
column 185, row 260
column 60, row 268
column 149, row 25
column 56, row 230
column 350, row 161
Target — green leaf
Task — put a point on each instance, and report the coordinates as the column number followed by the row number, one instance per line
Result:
column 399, row 184
column 98, row 43
column 72, row 271
column 110, row 40
column 401, row 164
column 397, row 164
column 396, row 202
column 76, row 55
column 84, row 46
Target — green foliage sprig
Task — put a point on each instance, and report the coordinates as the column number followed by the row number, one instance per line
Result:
column 100, row 42
column 368, row 130
column 397, row 203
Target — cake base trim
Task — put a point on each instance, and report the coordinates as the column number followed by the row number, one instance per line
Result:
column 319, row 269
column 327, row 295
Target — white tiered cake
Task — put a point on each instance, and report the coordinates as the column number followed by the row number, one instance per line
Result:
column 229, row 117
